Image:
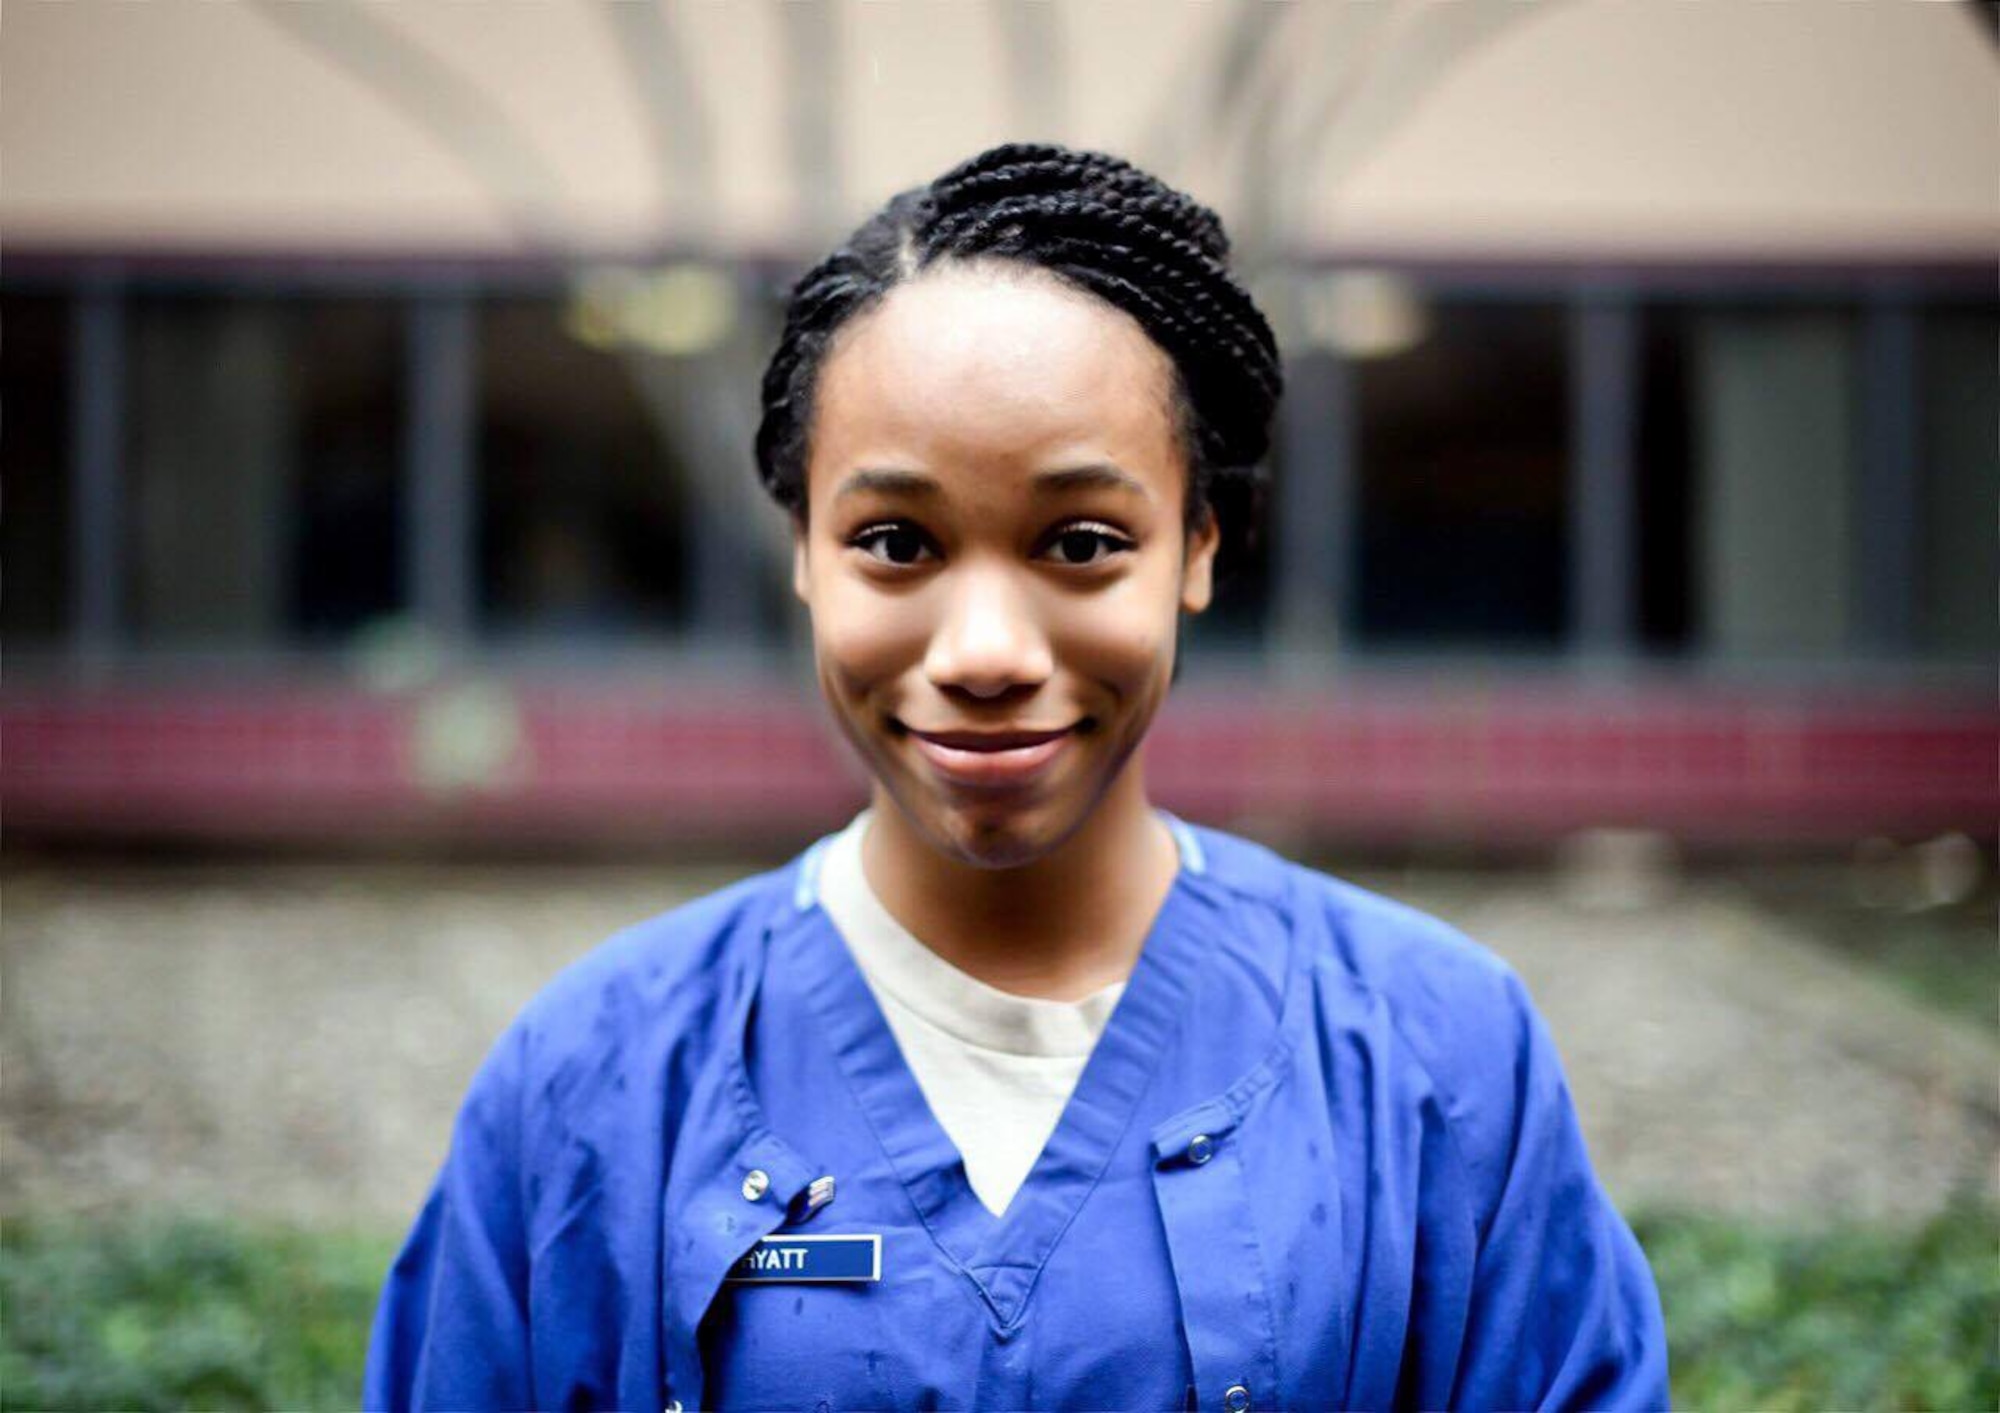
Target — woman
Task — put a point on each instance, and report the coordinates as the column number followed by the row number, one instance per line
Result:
column 1019, row 1092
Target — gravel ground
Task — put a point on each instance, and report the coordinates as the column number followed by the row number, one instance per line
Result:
column 1722, row 1059
column 292, row 1040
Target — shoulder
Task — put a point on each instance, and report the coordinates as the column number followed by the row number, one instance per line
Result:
column 1417, row 989
column 1429, row 971
column 678, row 956
column 667, row 980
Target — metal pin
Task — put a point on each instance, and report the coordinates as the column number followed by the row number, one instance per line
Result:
column 818, row 1193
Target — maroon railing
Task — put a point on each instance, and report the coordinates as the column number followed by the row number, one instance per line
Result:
column 1387, row 763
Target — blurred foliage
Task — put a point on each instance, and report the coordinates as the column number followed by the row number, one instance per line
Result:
column 1847, row 1316
column 200, row 1313
column 1944, row 957
column 183, row 1313
column 1940, row 954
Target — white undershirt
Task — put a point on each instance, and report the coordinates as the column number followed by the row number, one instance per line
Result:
column 997, row 1069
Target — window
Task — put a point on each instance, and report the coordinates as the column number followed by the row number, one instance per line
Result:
column 264, row 468
column 1663, row 493
column 1958, row 558
column 35, row 447
column 1463, row 448
column 581, row 509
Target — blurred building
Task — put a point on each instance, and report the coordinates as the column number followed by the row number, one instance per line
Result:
column 379, row 384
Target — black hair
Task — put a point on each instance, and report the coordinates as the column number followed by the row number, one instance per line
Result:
column 1098, row 223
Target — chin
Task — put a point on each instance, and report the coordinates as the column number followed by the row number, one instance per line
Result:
column 989, row 834
column 999, row 844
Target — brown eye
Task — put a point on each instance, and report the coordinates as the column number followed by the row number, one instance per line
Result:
column 897, row 544
column 1080, row 544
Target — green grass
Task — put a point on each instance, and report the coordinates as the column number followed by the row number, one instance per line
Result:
column 185, row 1313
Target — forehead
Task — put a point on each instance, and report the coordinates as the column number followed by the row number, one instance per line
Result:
column 980, row 367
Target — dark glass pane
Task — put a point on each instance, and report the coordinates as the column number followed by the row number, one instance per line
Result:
column 1748, row 467
column 348, row 385
column 581, row 510
column 264, row 468
column 1463, row 473
column 35, row 450
column 1664, row 497
column 1958, row 556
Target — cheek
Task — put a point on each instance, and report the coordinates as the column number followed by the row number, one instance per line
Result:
column 862, row 637
column 1120, row 638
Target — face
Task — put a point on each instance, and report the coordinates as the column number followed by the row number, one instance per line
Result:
column 993, row 553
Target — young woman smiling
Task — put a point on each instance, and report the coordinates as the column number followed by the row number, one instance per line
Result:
column 1019, row 1091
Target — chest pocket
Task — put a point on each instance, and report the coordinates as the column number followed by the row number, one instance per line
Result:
column 1220, row 1270
column 810, row 1344
column 740, row 1202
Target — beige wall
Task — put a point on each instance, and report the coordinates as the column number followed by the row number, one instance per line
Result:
column 1588, row 129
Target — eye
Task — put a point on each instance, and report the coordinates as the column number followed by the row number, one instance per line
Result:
column 900, row 542
column 1078, row 543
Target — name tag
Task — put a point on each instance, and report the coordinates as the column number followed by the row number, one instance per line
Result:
column 810, row 1258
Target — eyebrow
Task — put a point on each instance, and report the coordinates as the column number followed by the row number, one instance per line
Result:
column 1096, row 475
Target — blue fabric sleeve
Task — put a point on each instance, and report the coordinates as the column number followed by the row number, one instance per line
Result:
column 451, row 1329
column 1564, row 1311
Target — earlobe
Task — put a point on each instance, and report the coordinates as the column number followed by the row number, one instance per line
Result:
column 801, row 579
column 1198, row 565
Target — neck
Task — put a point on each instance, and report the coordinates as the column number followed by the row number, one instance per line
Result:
column 1060, row 927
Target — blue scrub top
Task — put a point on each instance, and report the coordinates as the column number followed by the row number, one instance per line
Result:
column 1322, row 1157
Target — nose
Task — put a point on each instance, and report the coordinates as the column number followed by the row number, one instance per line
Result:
column 990, row 640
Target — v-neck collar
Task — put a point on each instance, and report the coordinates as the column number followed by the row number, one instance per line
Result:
column 915, row 983
column 1001, row 1255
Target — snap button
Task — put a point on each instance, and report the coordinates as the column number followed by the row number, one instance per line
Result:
column 1199, row 1150
column 1236, row 1399
column 756, row 1183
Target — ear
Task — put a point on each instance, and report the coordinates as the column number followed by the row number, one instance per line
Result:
column 1198, row 564
column 801, row 579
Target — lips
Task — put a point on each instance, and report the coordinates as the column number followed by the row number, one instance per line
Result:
column 991, row 758
column 988, row 740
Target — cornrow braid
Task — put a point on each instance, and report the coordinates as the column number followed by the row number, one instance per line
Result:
column 1104, row 226
column 1024, row 167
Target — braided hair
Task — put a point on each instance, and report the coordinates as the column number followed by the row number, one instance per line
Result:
column 1100, row 224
